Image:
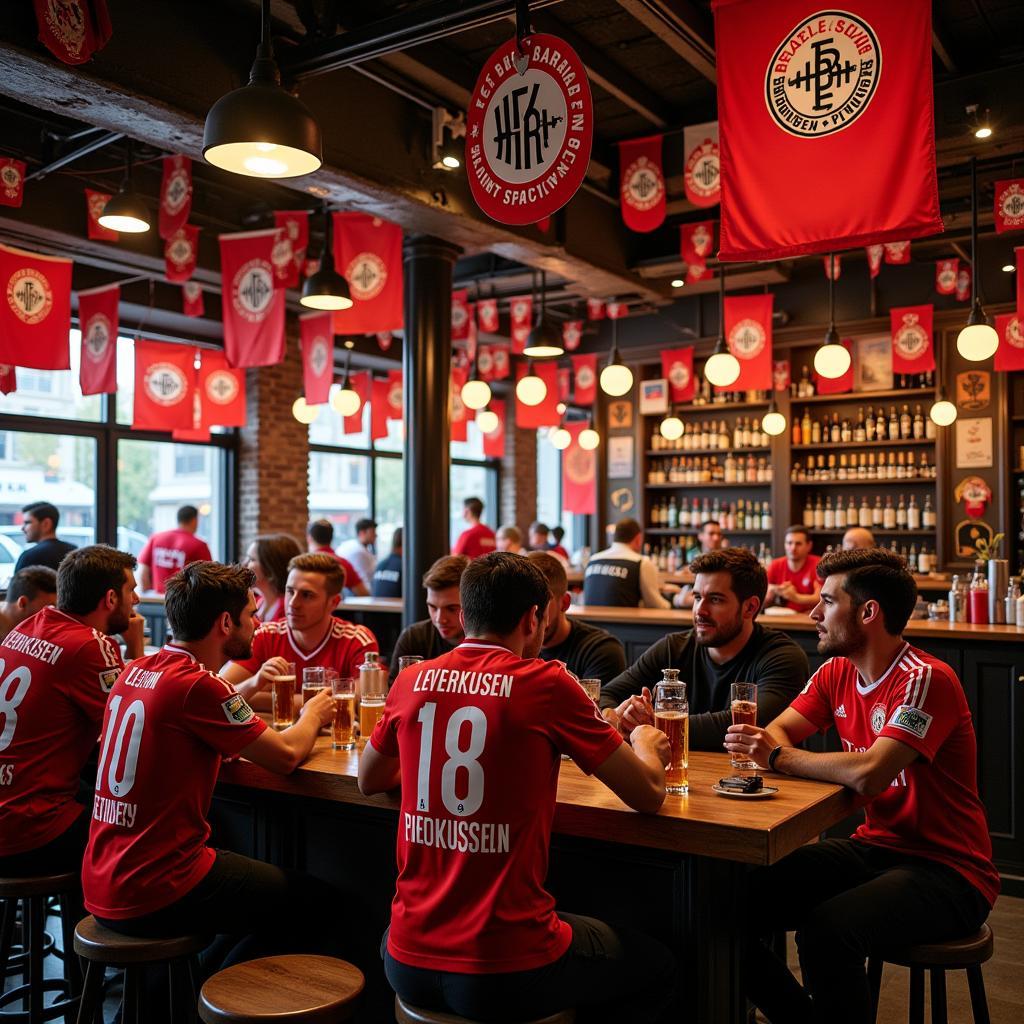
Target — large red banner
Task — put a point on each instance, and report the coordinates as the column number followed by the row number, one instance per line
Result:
column 702, row 178
column 175, row 194
column 461, row 314
column 97, row 318
column 8, row 379
column 253, row 308
column 803, row 100
column 221, row 392
column 677, row 369
column 616, row 310
column 379, row 409
column 579, row 474
column 360, row 384
column 494, row 442
column 95, row 204
column 12, row 181
column 595, row 309
column 584, row 379
column 545, row 414
column 73, row 30
column 696, row 242
column 1009, row 205
column 748, row 333
column 35, row 309
column 165, row 379
column 912, row 348
column 192, row 303
column 181, row 250
column 837, row 385
column 642, row 183
column 316, row 341
column 368, row 252
column 946, row 273
column 1010, row 354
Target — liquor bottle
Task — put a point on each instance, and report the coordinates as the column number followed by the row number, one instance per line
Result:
column 845, row 431
column 816, row 435
column 859, row 428
column 836, row 431
column 931, row 430
column 901, row 514
column 819, row 514
column 864, row 514
column 851, row 513
column 830, row 515
column 869, row 426
column 766, row 515
column 913, row 515
column 906, row 423
column 924, row 561
column 881, row 425
column 893, row 432
column 877, row 513
column 977, row 603
column 797, row 432
column 889, row 515
column 918, row 421
column 805, row 427
column 673, row 514
column 809, row 515
column 840, row 514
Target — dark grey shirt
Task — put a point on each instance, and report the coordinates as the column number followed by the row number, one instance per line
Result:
column 589, row 652
column 47, row 552
column 419, row 638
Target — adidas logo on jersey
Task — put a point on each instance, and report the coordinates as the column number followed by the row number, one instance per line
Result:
column 840, row 711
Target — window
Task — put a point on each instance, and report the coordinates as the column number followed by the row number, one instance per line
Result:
column 549, row 496
column 189, row 460
column 469, row 481
column 54, row 394
column 338, row 490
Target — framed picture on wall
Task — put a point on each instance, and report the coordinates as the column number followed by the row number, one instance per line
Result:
column 974, row 443
column 620, row 457
column 653, row 396
column 873, row 364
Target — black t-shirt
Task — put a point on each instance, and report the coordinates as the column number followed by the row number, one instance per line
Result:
column 47, row 552
column 613, row 582
column 771, row 659
column 419, row 638
column 387, row 577
column 589, row 652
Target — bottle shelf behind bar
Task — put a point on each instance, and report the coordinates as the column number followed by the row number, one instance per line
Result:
column 836, row 445
column 866, row 397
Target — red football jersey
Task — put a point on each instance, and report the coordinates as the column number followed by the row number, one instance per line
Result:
column 342, row 647
column 269, row 613
column 165, row 553
column 477, row 540
column 55, row 675
column 168, row 723
column 805, row 580
column 478, row 733
column 352, row 578
column 931, row 809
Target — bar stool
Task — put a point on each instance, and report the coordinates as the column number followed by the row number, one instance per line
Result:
column 33, row 894
column 406, row 1014
column 292, row 989
column 967, row 954
column 102, row 948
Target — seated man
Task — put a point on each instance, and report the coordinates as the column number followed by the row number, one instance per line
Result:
column 29, row 591
column 920, row 868
column 472, row 927
column 310, row 634
column 319, row 535
column 442, row 632
column 724, row 646
column 620, row 576
column 148, row 869
column 59, row 666
column 588, row 652
column 791, row 578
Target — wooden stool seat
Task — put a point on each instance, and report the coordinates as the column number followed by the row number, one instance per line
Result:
column 38, row 885
column 94, row 942
column 294, row 989
column 406, row 1014
column 957, row 953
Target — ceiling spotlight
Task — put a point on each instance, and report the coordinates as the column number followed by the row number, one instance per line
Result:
column 1008, row 268
column 722, row 367
column 446, row 152
column 544, row 340
column 326, row 289
column 978, row 340
column 677, row 282
column 126, row 211
column 616, row 378
column 833, row 359
column 983, row 126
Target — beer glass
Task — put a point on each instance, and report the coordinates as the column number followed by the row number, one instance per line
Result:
column 592, row 688
column 406, row 661
column 343, row 728
column 314, row 679
column 744, row 712
column 672, row 717
column 282, row 698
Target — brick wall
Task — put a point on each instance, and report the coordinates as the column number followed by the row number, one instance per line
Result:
column 518, row 500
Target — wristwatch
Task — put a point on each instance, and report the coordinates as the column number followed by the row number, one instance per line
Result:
column 773, row 756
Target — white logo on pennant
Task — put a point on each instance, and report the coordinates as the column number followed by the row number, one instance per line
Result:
column 1011, row 205
column 222, row 387
column 179, row 249
column 192, row 290
column 165, row 384
column 97, row 337
column 29, row 295
column 747, row 339
column 10, row 178
column 366, row 275
column 252, row 290
column 911, row 339
column 642, row 184
column 702, row 170
column 318, row 356
column 177, row 190
column 679, row 374
column 484, row 362
column 1015, row 332
column 585, row 378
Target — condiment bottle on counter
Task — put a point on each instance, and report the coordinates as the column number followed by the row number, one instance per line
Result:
column 978, row 597
column 957, row 602
column 1020, row 611
column 1012, row 593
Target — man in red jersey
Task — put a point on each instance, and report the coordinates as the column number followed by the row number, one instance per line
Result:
column 169, row 721
column 474, row 738
column 56, row 669
column 167, row 552
column 791, row 579
column 920, row 867
column 478, row 539
column 319, row 535
column 310, row 635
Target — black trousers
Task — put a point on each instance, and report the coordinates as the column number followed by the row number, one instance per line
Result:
column 610, row 974
column 846, row 899
column 61, row 854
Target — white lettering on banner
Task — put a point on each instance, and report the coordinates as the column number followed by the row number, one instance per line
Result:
column 34, row 647
column 458, row 836
column 453, row 680
column 114, row 812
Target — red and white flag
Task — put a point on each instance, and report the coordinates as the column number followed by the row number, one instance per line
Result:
column 378, row 409
column 368, row 252
column 642, row 183
column 912, row 348
column 316, row 341
column 616, row 310
column 1010, row 354
column 579, row 474
column 572, row 334
column 360, row 383
column 698, row 272
column 485, row 363
column 181, row 250
column 963, row 283
column 897, row 252
column 833, row 265
column 1019, row 253
column 1009, row 205
column 253, row 309
column 458, row 413
column 521, row 312
column 36, row 316
column 165, row 382
column 97, row 318
column 73, row 30
column 701, row 165
column 584, row 379
column 12, row 181
column 294, row 237
column 95, row 204
column 502, row 361
column 9, row 379
column 384, row 339
column 780, row 374
column 221, row 392
column 875, row 256
column 946, row 273
column 748, row 333
column 494, row 442
column 677, row 369
column 595, row 309
column 545, row 414
column 487, row 316
column 565, row 381
column 394, row 410
column 837, row 385
column 696, row 242
column 803, row 100
column 175, row 194
column 461, row 314
column 192, row 303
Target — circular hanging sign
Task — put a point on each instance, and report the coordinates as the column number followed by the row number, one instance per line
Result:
column 529, row 131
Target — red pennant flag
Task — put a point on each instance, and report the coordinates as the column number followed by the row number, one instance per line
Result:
column 316, row 343
column 585, row 379
column 36, row 316
column 833, row 266
column 695, row 272
column 595, row 309
column 780, row 374
column 701, row 167
column 12, row 181
column 579, row 474
column 1019, row 253
column 494, row 442
column 192, row 303
column 677, row 369
column 175, row 195
column 946, row 273
column 912, row 348
column 384, row 339
column 1009, row 200
column 165, row 381
column 642, row 183
column 521, row 311
column 875, row 254
column 869, row 133
column 565, row 383
column 73, row 30
column 368, row 251
column 572, row 334
column 897, row 252
column 460, row 315
column 502, row 361
column 1010, row 354
column 748, row 333
column 180, row 253
column 545, row 414
column 485, row 363
column 293, row 226
column 394, row 395
column 487, row 316
column 360, row 383
column 252, row 307
column 458, row 413
column 95, row 203
column 97, row 318
column 963, row 283
column 696, row 242
column 837, row 385
column 616, row 310
column 221, row 392
column 9, row 379
column 379, row 409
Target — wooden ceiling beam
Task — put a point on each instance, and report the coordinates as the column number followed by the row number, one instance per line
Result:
column 681, row 27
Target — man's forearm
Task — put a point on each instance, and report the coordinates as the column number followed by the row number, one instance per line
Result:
column 850, row 769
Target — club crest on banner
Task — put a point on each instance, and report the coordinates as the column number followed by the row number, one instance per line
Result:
column 702, row 172
column 823, row 75
column 501, row 363
column 643, row 184
column 177, row 190
column 29, row 295
column 1015, row 332
column 946, row 272
column 1009, row 205
column 11, row 179
column 384, row 339
column 318, row 355
column 579, row 464
column 572, row 334
column 222, row 387
column 484, row 361
column 585, row 378
column 963, row 284
column 252, row 290
column 180, row 250
column 747, row 339
column 165, row 384
column 96, row 335
column 283, row 255
column 679, row 375
column 66, row 20
column 366, row 275
column 896, row 252
column 702, row 240
column 911, row 339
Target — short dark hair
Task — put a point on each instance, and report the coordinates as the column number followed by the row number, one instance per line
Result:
column 196, row 595
column 538, row 527
column 365, row 524
column 748, row 576
column 396, row 540
column 324, row 564
column 445, row 572
column 30, row 582
column 87, row 574
column 497, row 590
column 553, row 571
column 558, row 533
column 475, row 507
column 187, row 513
column 626, row 530
column 874, row 574
column 798, row 528
column 43, row 510
column 274, row 551
column 708, row 522
column 321, row 531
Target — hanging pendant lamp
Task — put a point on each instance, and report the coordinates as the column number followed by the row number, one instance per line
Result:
column 544, row 340
column 832, row 359
column 326, row 289
column 616, row 378
column 126, row 211
column 978, row 340
column 346, row 401
column 773, row 423
column 531, row 389
column 943, row 412
column 722, row 367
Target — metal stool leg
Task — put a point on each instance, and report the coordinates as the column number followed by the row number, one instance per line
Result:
column 938, row 986
column 35, row 926
column 979, row 1001
column 874, row 985
column 916, row 995
column 92, row 993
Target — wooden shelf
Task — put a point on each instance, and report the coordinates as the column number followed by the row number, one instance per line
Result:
column 676, row 531
column 679, row 487
column 877, row 530
column 911, row 481
column 837, row 445
column 701, row 452
column 697, row 410
column 865, row 397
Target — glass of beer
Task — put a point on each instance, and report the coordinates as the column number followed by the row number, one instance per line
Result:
column 744, row 712
column 407, row 661
column 672, row 717
column 343, row 728
column 282, row 698
column 371, row 708
column 314, row 679
column 592, row 688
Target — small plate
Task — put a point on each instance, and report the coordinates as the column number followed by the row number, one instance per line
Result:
column 778, row 609
column 763, row 792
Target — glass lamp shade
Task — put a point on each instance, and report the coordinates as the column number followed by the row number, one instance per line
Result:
column 831, row 360
column 671, row 428
column 303, row 412
column 943, row 412
column 475, row 394
column 543, row 342
column 774, row 423
column 531, row 390
column 326, row 289
column 977, row 341
column 616, row 380
column 487, row 421
column 589, row 439
column 722, row 369
column 125, row 212
column 560, row 438
column 345, row 402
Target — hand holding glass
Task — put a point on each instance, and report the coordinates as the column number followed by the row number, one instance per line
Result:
column 744, row 712
column 343, row 728
column 282, row 698
column 672, row 717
